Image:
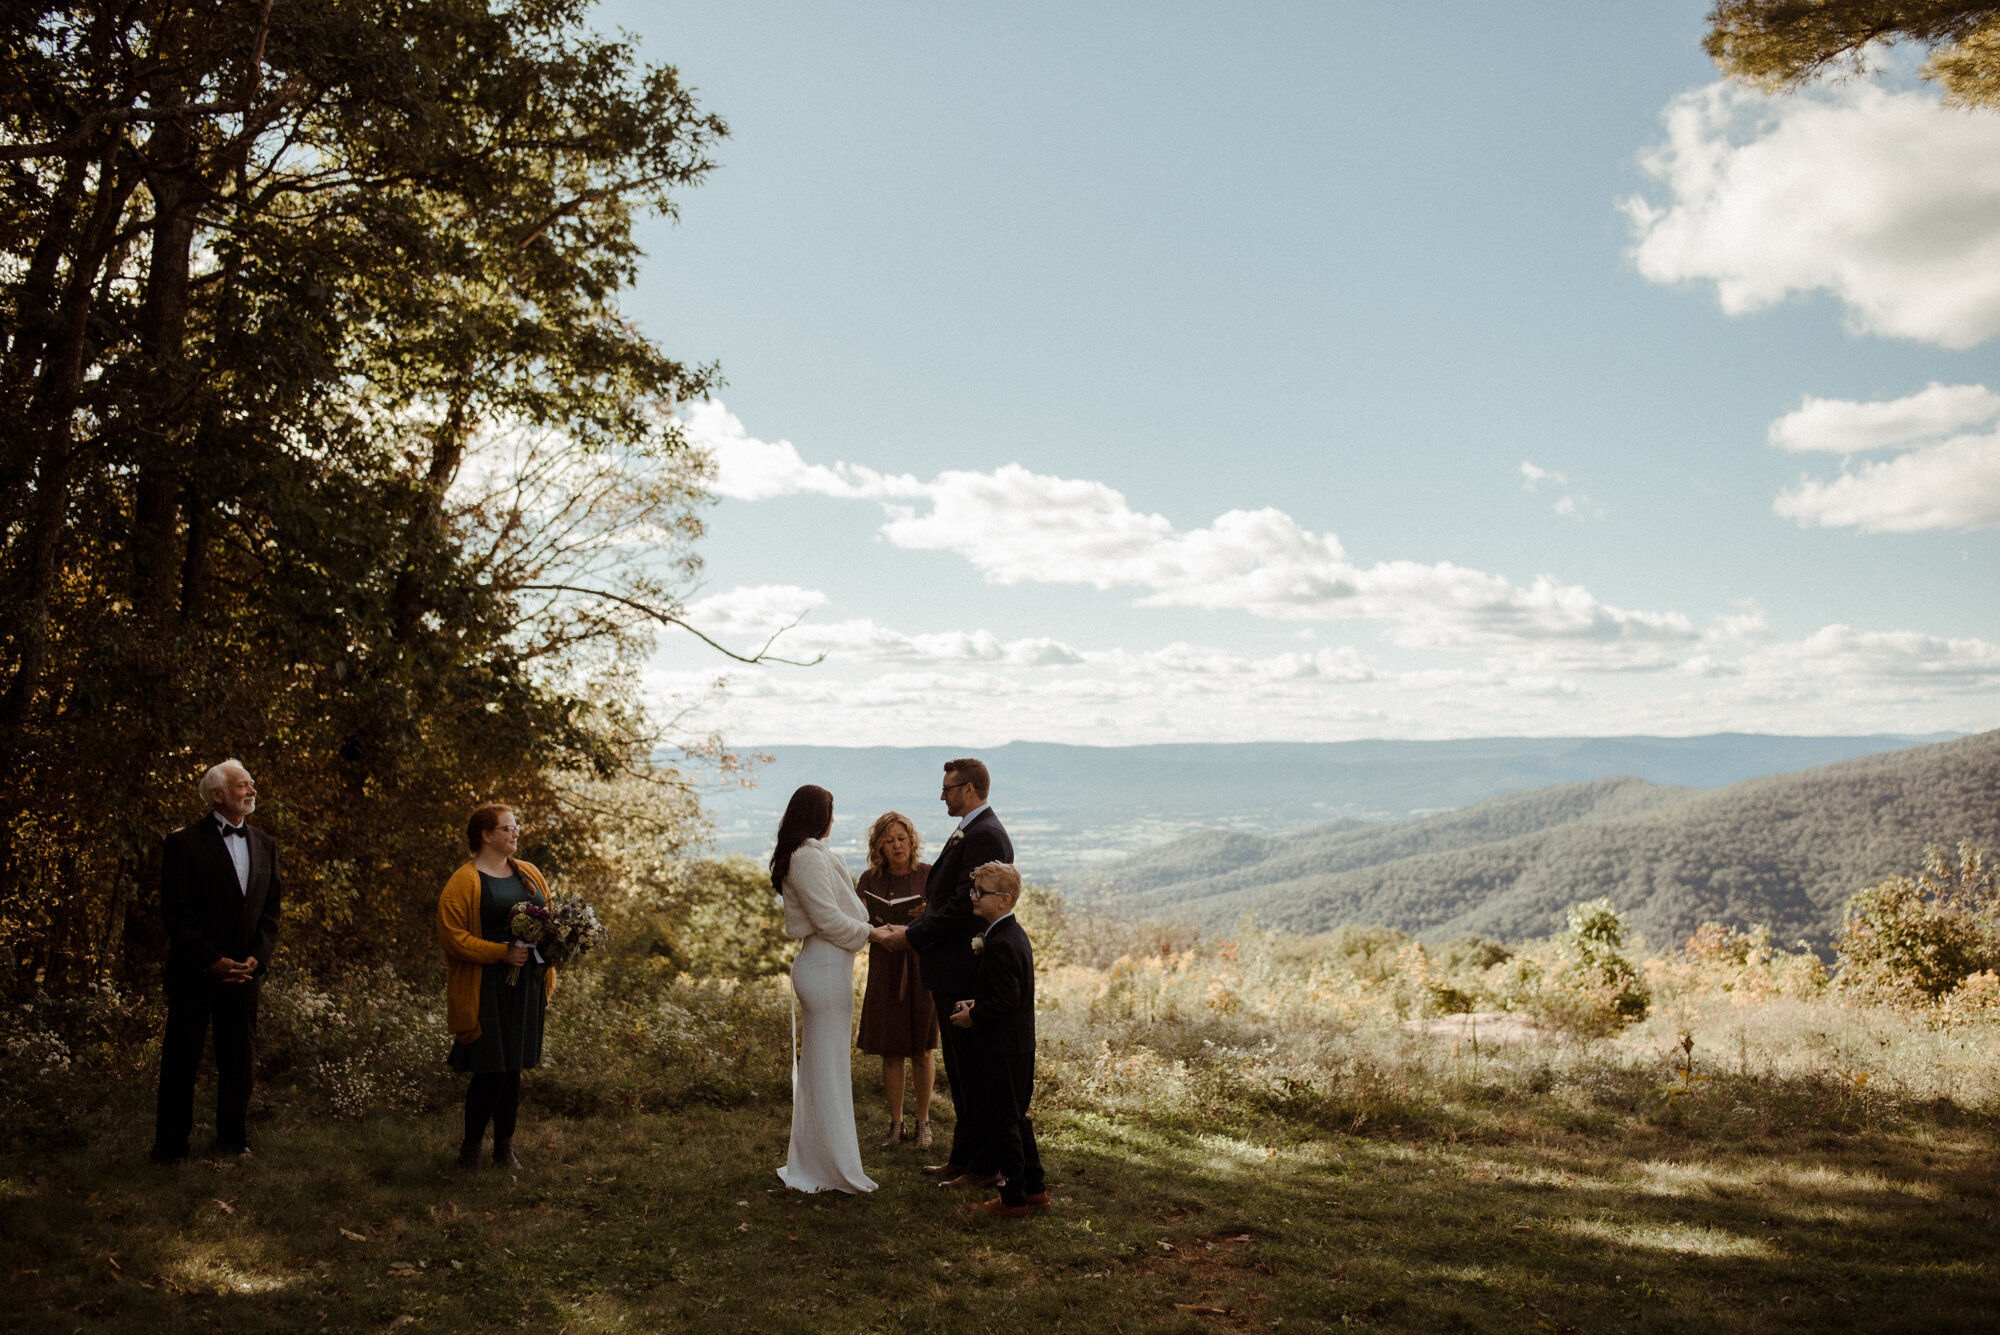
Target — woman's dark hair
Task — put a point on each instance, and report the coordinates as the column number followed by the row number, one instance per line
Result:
column 483, row 821
column 809, row 815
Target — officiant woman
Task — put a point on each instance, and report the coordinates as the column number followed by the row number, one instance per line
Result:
column 898, row 1020
column 496, row 994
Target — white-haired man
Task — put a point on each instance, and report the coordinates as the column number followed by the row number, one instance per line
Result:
column 220, row 899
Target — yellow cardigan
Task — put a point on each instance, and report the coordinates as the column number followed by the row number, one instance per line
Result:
column 467, row 953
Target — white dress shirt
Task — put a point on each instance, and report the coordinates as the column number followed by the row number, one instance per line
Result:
column 966, row 819
column 239, row 851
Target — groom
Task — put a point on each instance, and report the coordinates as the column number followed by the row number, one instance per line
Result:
column 942, row 938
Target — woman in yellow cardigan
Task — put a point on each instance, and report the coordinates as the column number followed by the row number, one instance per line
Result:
column 496, row 1025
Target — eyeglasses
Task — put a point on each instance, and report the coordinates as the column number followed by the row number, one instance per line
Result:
column 962, row 783
column 978, row 893
column 506, row 829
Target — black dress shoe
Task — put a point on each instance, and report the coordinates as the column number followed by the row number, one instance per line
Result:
column 169, row 1158
column 503, row 1154
column 468, row 1158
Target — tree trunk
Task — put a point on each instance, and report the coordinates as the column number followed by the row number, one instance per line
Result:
column 50, row 422
column 178, row 192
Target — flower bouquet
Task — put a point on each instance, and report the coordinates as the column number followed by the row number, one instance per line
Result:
column 532, row 926
column 559, row 933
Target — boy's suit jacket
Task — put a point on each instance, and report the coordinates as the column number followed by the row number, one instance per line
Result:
column 1003, row 991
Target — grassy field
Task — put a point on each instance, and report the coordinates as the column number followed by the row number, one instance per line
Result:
column 1493, row 1214
column 1260, row 1133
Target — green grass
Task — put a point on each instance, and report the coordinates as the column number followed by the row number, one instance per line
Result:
column 1232, row 1220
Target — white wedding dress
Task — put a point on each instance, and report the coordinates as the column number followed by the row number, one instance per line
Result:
column 822, row 908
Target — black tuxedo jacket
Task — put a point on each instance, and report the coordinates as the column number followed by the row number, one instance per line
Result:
column 1003, row 991
column 942, row 937
column 208, row 916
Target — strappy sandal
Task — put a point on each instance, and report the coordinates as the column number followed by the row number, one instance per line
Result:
column 895, row 1134
column 923, row 1135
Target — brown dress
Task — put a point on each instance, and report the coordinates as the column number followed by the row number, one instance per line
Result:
column 897, row 1017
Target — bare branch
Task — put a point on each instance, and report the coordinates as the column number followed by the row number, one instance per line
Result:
column 763, row 654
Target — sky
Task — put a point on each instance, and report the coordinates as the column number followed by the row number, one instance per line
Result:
column 1156, row 372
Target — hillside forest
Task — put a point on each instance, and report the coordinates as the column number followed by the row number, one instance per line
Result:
column 1785, row 852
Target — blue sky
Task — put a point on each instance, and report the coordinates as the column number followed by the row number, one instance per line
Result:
column 1130, row 373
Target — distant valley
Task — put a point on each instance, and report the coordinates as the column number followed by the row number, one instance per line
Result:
column 1077, row 811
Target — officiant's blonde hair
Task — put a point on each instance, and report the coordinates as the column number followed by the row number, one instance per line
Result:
column 878, row 862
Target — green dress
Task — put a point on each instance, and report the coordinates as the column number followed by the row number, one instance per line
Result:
column 510, row 1016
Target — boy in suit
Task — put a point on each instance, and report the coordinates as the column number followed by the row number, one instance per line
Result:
column 1000, row 1015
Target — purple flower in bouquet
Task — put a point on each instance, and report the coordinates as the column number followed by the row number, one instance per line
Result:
column 573, row 930
column 532, row 925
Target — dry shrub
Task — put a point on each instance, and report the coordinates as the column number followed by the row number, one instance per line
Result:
column 1743, row 966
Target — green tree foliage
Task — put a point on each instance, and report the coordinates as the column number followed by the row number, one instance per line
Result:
column 328, row 445
column 1912, row 939
column 1782, row 44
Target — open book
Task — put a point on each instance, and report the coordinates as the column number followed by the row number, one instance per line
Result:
column 893, row 911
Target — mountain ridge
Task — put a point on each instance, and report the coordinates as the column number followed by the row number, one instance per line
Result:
column 1786, row 850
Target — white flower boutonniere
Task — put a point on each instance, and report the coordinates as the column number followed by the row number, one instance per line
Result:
column 979, row 943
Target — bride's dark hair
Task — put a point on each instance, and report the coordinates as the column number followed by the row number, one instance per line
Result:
column 809, row 815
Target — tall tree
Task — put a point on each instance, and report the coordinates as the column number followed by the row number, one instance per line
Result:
column 274, row 271
column 1781, row 44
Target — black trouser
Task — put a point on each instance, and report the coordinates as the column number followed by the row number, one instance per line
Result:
column 493, row 1096
column 969, row 1150
column 1006, row 1084
column 191, row 1004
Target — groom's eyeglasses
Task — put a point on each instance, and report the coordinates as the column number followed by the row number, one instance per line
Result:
column 962, row 783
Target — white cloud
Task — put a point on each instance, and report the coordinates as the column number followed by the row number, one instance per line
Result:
column 757, row 613
column 748, row 469
column 1888, row 200
column 1570, row 505
column 762, row 609
column 1949, row 483
column 1842, row 426
column 1954, row 485
column 1016, row 526
column 1888, row 681
column 1899, row 658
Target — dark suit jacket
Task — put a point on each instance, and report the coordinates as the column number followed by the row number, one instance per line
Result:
column 208, row 917
column 942, row 937
column 1003, row 991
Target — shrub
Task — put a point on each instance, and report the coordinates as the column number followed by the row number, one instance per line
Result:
column 1742, row 965
column 1911, row 939
column 1580, row 980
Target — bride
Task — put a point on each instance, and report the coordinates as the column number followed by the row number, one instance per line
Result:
column 822, row 909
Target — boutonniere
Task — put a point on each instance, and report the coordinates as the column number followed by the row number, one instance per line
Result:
column 956, row 835
column 979, row 943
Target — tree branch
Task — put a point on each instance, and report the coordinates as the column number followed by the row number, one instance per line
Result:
column 763, row 654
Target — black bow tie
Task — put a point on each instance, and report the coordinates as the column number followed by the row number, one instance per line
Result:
column 239, row 831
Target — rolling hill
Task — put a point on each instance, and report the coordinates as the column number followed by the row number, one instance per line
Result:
column 1786, row 850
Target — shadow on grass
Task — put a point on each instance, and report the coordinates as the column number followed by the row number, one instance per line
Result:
column 676, row 1220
